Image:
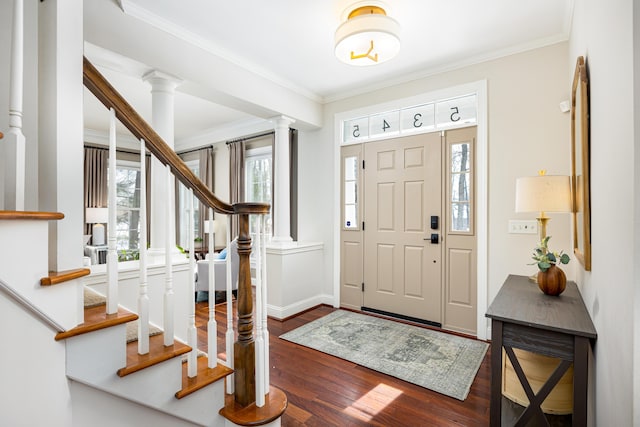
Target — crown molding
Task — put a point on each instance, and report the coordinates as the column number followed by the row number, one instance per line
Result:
column 99, row 137
column 428, row 72
column 229, row 131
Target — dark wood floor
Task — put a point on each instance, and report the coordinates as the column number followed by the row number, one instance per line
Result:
column 326, row 391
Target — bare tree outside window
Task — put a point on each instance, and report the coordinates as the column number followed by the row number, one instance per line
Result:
column 460, row 184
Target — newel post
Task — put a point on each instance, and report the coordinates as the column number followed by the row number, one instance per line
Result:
column 244, row 347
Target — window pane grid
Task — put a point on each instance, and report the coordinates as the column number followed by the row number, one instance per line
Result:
column 258, row 187
column 183, row 195
column 127, row 211
column 460, row 187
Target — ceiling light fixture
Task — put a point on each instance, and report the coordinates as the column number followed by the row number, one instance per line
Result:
column 367, row 37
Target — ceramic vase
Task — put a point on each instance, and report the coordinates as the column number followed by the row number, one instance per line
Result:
column 553, row 281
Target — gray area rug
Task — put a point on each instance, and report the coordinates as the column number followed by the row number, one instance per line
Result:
column 438, row 361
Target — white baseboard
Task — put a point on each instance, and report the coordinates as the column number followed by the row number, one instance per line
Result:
column 298, row 307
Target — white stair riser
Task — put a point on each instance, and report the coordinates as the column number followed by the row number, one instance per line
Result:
column 23, row 255
column 94, row 358
column 97, row 355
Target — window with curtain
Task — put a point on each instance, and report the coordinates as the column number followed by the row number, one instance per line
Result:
column 258, row 182
column 200, row 162
column 128, row 209
column 183, row 206
column 251, row 176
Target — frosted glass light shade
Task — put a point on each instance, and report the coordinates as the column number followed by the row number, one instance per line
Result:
column 546, row 193
column 367, row 39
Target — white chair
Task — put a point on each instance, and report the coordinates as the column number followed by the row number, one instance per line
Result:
column 220, row 273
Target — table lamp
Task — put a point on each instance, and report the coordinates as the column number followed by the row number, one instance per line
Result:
column 210, row 227
column 97, row 217
column 543, row 193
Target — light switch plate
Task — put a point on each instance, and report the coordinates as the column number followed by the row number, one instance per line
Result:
column 517, row 226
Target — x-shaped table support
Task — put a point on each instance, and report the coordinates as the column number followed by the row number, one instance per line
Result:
column 535, row 400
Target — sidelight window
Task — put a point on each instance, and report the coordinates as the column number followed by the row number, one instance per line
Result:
column 460, row 186
column 350, row 192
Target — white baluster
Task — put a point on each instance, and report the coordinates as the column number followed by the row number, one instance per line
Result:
column 212, row 325
column 168, row 291
column 112, row 256
column 14, row 143
column 230, row 336
column 143, row 298
column 192, row 333
column 265, row 328
column 260, row 390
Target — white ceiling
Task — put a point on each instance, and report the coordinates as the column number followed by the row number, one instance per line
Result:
column 290, row 44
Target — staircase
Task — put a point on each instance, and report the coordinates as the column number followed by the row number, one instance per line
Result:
column 96, row 352
column 67, row 365
column 98, row 356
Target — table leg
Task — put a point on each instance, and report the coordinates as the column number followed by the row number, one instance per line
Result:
column 496, row 373
column 580, row 374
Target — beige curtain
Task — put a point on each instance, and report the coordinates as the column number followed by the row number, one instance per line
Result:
column 236, row 180
column 95, row 180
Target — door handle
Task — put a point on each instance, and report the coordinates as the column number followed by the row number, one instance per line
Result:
column 434, row 238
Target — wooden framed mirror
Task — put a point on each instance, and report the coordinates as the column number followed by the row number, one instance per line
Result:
column 580, row 165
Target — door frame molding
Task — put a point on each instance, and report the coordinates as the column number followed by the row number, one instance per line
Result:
column 479, row 88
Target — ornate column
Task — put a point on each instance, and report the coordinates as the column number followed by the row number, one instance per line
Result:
column 162, row 119
column 14, row 154
column 281, row 186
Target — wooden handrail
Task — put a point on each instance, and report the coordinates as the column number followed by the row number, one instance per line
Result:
column 31, row 215
column 110, row 98
column 244, row 348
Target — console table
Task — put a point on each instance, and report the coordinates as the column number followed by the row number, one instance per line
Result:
column 525, row 318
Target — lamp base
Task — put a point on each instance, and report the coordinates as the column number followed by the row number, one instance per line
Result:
column 98, row 235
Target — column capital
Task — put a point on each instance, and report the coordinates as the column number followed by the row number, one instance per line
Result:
column 282, row 121
column 161, row 81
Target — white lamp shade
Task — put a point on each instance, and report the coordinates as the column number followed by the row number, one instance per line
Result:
column 211, row 229
column 97, row 215
column 545, row 193
column 357, row 34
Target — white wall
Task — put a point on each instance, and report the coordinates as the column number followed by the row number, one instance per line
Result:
column 35, row 389
column 526, row 132
column 94, row 408
column 603, row 33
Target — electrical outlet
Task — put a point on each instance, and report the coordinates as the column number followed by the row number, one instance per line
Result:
column 517, row 226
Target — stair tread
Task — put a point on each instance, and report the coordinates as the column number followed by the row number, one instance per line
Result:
column 42, row 216
column 157, row 353
column 275, row 405
column 203, row 378
column 56, row 277
column 96, row 318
